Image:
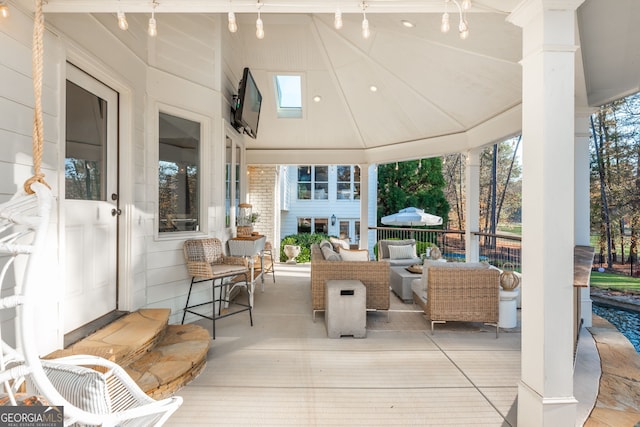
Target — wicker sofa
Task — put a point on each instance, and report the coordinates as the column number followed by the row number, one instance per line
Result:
column 463, row 293
column 373, row 274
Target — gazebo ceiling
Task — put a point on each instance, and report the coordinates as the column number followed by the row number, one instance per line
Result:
column 435, row 92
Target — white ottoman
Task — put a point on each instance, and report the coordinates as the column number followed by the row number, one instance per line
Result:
column 345, row 308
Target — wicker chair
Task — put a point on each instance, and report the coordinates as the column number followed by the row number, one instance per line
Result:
column 373, row 274
column 206, row 262
column 108, row 397
column 463, row 295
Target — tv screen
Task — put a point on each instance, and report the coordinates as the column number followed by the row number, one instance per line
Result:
column 247, row 112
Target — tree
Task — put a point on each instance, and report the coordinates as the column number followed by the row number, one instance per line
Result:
column 500, row 185
column 417, row 183
column 615, row 178
column 507, row 187
column 453, row 171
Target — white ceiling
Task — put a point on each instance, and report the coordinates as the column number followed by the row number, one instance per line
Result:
column 436, row 93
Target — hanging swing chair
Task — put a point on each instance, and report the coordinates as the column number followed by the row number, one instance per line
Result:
column 104, row 396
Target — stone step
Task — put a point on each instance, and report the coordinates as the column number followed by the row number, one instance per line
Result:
column 124, row 340
column 173, row 362
column 160, row 358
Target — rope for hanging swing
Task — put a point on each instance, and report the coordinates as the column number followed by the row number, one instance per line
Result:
column 37, row 67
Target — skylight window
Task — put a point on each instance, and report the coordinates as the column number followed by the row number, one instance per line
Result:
column 289, row 95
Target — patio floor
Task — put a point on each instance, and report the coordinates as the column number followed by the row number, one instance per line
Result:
column 285, row 371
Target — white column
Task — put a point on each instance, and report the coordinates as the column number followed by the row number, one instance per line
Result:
column 545, row 392
column 582, row 224
column 364, row 206
column 472, row 207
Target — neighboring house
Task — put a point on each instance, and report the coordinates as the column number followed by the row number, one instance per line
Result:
column 325, row 199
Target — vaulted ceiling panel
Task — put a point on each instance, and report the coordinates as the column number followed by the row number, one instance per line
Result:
column 429, row 84
column 610, row 49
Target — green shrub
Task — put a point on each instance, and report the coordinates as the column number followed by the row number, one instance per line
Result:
column 304, row 240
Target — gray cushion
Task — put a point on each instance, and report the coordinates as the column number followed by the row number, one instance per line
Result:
column 330, row 255
column 404, row 262
column 325, row 243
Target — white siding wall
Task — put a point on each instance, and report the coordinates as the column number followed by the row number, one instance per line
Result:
column 179, row 70
column 16, row 118
column 285, row 188
column 342, row 209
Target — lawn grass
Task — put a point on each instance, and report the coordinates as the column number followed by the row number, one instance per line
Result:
column 510, row 228
column 615, row 281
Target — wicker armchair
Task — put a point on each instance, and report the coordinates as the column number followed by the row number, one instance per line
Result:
column 373, row 274
column 206, row 262
column 464, row 295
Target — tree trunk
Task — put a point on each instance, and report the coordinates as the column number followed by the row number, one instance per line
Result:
column 633, row 243
column 457, row 189
column 603, row 195
column 506, row 183
column 494, row 190
column 622, row 240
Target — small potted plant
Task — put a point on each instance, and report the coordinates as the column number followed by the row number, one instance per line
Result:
column 244, row 220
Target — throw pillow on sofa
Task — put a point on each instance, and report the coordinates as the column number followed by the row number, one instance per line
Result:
column 338, row 243
column 402, row 252
column 330, row 255
column 354, row 254
column 325, row 243
column 383, row 246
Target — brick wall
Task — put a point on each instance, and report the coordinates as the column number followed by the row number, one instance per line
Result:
column 262, row 193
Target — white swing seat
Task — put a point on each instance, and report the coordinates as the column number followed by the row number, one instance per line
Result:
column 92, row 390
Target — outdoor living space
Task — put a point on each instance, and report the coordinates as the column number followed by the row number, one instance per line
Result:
column 286, row 371
column 175, row 160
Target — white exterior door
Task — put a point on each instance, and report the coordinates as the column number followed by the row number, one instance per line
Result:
column 90, row 205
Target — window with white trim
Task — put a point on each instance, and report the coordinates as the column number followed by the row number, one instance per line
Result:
column 348, row 182
column 313, row 182
column 179, row 174
column 313, row 225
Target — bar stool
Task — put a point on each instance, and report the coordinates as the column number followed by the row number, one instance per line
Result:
column 206, row 262
column 269, row 267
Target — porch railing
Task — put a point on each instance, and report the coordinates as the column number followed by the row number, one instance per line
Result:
column 496, row 249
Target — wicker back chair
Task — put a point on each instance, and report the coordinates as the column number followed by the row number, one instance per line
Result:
column 373, row 274
column 463, row 295
column 106, row 397
column 206, row 262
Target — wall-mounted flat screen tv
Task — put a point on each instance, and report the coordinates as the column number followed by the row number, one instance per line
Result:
column 247, row 112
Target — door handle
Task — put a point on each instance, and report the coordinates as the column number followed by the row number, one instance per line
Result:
column 115, row 212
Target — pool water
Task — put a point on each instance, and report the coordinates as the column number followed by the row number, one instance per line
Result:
column 627, row 322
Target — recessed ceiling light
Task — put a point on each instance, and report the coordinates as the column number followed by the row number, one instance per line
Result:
column 408, row 24
column 317, row 98
column 373, row 88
